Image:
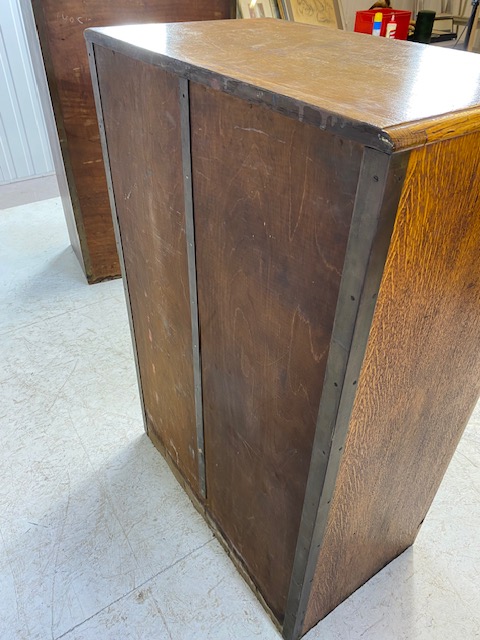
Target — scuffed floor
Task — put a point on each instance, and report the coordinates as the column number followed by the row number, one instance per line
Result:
column 99, row 542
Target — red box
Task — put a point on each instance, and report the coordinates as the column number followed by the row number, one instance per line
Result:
column 364, row 21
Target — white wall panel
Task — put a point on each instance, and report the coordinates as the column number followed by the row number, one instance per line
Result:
column 24, row 148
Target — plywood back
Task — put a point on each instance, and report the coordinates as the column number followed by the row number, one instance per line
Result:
column 142, row 127
column 273, row 203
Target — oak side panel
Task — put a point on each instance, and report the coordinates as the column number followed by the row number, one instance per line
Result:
column 61, row 25
column 142, row 127
column 420, row 379
column 273, row 204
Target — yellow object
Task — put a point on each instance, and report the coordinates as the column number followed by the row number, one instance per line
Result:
column 377, row 24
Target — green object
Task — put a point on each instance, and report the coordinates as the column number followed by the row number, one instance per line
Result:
column 424, row 26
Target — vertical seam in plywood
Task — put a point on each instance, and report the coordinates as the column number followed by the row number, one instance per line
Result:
column 192, row 276
column 367, row 247
column 116, row 226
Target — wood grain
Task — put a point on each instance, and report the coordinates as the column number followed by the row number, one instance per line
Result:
column 61, row 25
column 446, row 127
column 420, row 379
column 146, row 168
column 273, row 197
column 273, row 202
column 296, row 69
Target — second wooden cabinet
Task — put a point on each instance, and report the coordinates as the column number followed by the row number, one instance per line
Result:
column 60, row 25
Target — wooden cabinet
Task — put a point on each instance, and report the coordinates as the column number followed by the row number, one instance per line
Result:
column 299, row 228
column 60, row 25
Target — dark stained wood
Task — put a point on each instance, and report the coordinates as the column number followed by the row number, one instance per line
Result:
column 61, row 25
column 420, row 378
column 296, row 68
column 149, row 198
column 270, row 250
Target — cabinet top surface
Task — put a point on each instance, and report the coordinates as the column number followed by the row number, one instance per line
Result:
column 402, row 93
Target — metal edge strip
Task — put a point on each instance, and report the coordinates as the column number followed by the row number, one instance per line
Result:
column 369, row 238
column 116, row 226
column 183, row 85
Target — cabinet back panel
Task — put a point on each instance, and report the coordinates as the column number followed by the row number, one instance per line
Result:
column 142, row 127
column 273, row 204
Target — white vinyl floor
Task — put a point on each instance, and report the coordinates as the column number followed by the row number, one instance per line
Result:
column 99, row 542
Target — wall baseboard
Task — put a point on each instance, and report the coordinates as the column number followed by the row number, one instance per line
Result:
column 21, row 192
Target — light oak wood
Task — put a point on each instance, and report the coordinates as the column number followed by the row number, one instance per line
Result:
column 420, row 379
column 450, row 125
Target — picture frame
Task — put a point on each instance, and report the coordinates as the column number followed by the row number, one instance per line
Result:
column 326, row 13
column 257, row 9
